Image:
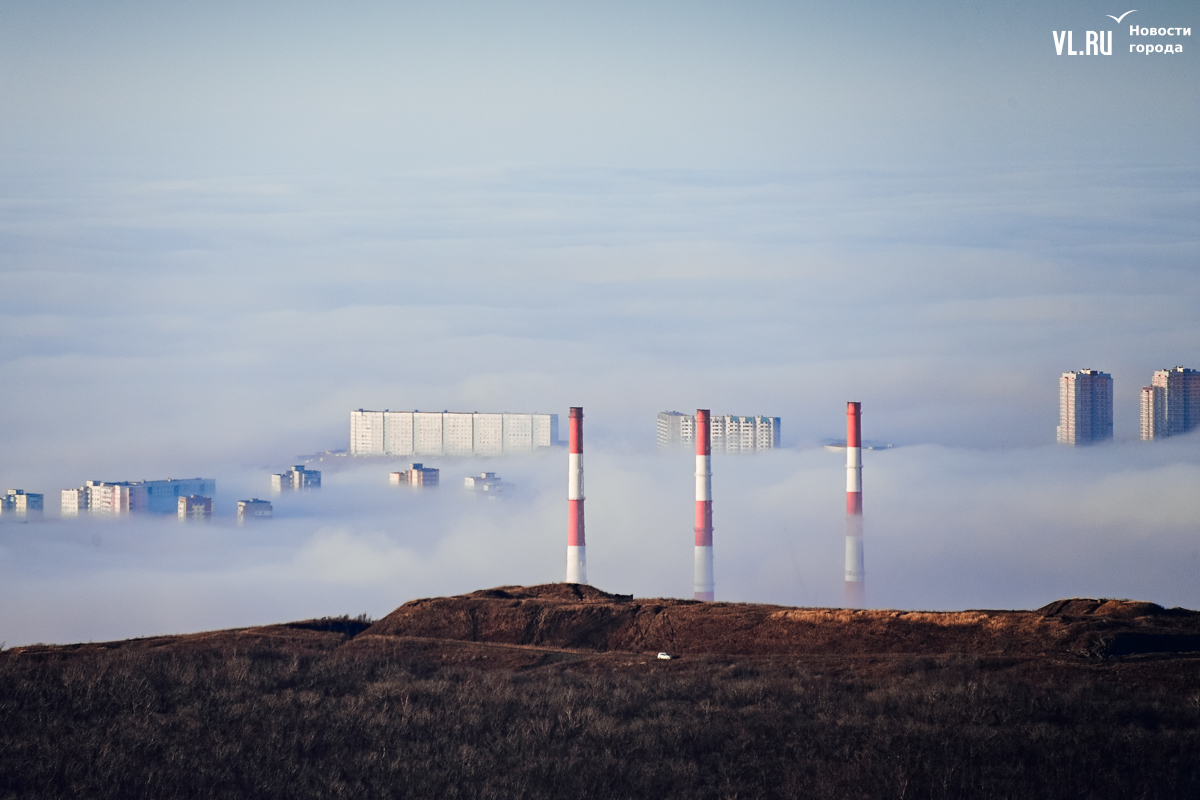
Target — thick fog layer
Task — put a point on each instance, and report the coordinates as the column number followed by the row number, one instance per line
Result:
column 151, row 326
column 223, row 228
column 944, row 528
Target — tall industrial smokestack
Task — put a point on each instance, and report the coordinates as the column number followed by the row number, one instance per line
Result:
column 576, row 550
column 703, row 583
column 855, row 574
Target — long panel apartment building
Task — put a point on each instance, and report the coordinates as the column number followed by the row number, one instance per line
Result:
column 155, row 497
column 728, row 433
column 449, row 433
column 1171, row 403
column 1085, row 407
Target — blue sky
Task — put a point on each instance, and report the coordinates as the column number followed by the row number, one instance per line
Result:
column 224, row 226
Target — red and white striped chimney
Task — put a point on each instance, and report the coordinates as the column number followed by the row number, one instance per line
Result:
column 855, row 575
column 576, row 550
column 703, row 583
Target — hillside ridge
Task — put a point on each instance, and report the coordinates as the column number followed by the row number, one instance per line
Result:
column 584, row 619
column 587, row 618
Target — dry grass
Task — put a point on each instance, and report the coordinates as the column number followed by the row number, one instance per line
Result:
column 320, row 710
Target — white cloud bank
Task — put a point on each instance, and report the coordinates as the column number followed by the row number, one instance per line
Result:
column 945, row 528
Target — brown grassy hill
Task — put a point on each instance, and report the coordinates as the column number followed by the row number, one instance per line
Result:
column 584, row 618
column 554, row 691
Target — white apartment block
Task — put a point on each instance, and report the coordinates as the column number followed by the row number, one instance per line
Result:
column 295, row 479
column 415, row 475
column 109, row 498
column 1171, row 403
column 429, row 433
column 486, row 483
column 545, row 430
column 449, row 433
column 1085, row 407
column 253, row 509
column 488, row 434
column 728, row 433
column 195, row 507
column 74, row 501
column 458, row 434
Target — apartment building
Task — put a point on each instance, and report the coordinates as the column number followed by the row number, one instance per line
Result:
column 295, row 479
column 195, row 506
column 416, row 475
column 1085, row 407
column 1170, row 405
column 254, row 509
column 449, row 433
column 728, row 433
column 21, row 503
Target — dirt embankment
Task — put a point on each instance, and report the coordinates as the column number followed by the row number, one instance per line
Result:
column 568, row 616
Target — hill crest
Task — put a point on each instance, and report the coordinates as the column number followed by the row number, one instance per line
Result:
column 584, row 619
